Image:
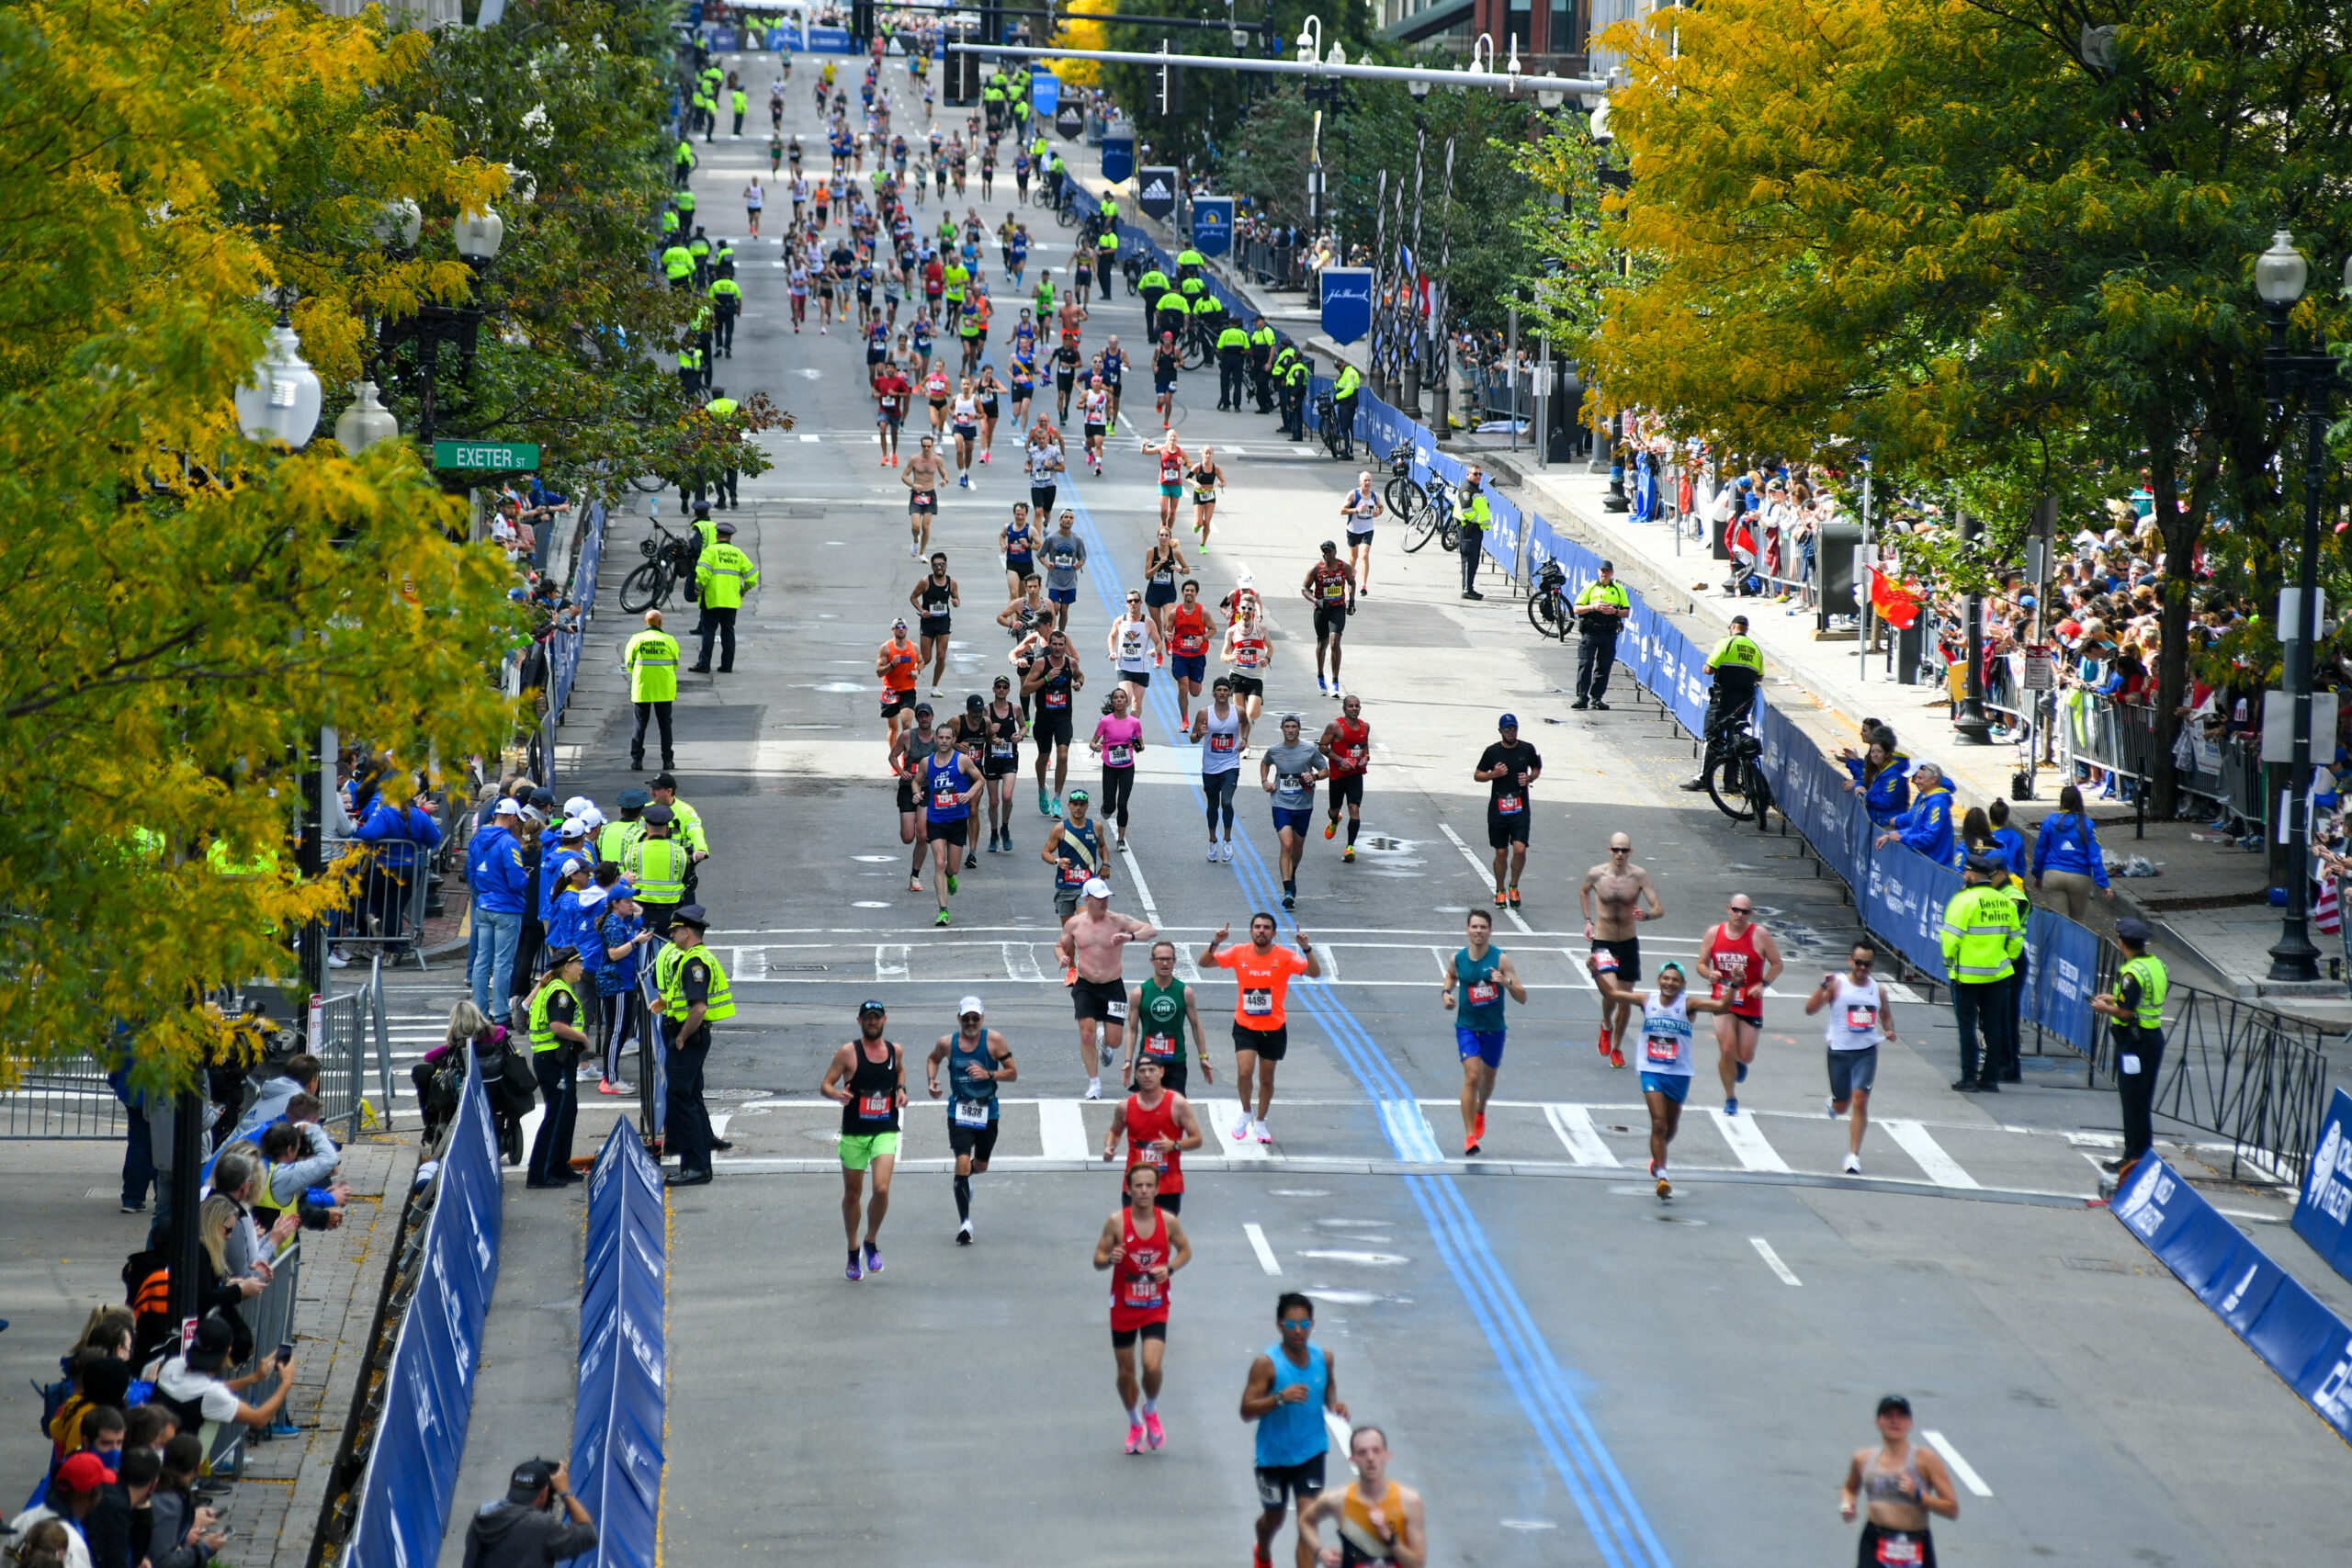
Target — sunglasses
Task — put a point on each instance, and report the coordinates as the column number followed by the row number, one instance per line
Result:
column 1863, row 963
column 1740, row 909
column 1615, row 850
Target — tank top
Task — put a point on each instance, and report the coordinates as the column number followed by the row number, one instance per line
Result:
column 1161, row 568
column 1135, row 644
column 1004, row 734
column 873, row 1103
column 1854, row 1012
column 1053, row 693
column 1144, row 1127
column 1172, row 467
column 1119, row 737
column 966, row 411
column 901, row 674
column 937, row 596
column 943, row 781
column 1737, row 960
column 1221, row 738
column 1188, row 628
column 971, row 1102
column 1250, row 650
column 1016, row 545
column 1482, row 989
column 1882, row 1486
column 1354, row 743
column 1204, row 479
column 1666, row 1035
column 1360, row 1544
column 1292, row 1434
column 1331, row 578
column 1079, row 854
column 1135, row 1297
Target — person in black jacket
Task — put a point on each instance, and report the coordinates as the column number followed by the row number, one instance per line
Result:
column 537, row 1523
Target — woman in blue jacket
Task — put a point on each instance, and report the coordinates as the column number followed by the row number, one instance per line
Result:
column 1882, row 778
column 2067, row 860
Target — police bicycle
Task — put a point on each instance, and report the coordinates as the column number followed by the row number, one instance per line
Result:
column 1733, row 772
column 1549, row 610
column 669, row 560
column 1434, row 519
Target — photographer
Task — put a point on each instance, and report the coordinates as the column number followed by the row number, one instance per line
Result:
column 525, row 1529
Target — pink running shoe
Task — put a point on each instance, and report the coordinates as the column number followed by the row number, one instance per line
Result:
column 1152, row 1429
column 1134, row 1440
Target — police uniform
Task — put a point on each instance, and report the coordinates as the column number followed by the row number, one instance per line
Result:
column 688, row 977
column 1232, row 354
column 723, row 575
column 552, row 1060
column 2137, row 1030
column 656, row 866
column 651, row 659
column 1597, row 645
column 1982, row 940
column 1261, row 358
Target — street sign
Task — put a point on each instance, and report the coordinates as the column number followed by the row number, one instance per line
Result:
column 1155, row 187
column 493, row 457
column 1212, row 224
column 1119, row 155
column 1346, row 303
column 1044, row 94
column 2041, row 667
column 1070, row 120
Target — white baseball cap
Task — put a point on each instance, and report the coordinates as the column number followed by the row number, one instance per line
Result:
column 507, row 806
column 970, row 1006
column 578, row 805
column 1097, row 888
column 574, row 827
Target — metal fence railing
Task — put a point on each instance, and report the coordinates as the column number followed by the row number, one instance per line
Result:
column 348, row 1023
column 1271, row 267
column 2240, row 1071
column 385, row 913
column 270, row 1318
column 71, row 1098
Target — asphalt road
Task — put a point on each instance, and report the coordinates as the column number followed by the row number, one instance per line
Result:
column 1572, row 1371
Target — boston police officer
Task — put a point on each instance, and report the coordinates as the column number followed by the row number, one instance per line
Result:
column 2137, row 1011
column 694, row 995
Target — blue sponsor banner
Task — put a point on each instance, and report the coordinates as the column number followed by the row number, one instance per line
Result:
column 2309, row 1347
column 722, row 40
column 616, row 1452
column 2323, row 1211
column 1044, row 94
column 2065, row 968
column 1212, row 224
column 1118, row 156
column 429, row 1390
column 1346, row 303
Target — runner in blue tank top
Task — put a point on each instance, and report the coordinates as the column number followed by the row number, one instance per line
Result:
column 976, row 1060
column 950, row 778
column 1291, row 1384
column 1484, row 976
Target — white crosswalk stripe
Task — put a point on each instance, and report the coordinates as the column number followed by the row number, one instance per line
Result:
column 1574, row 1124
column 1747, row 1142
column 1061, row 1128
column 1929, row 1154
column 1217, row 1119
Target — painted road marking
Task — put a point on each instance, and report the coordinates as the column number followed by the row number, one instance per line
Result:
column 1408, row 1130
column 1061, row 1127
column 1485, row 871
column 1921, row 1145
column 1266, row 1258
column 1218, row 1117
column 1773, row 1260
column 890, row 961
column 1747, row 1143
column 1964, row 1471
column 1021, row 963
column 1574, row 1123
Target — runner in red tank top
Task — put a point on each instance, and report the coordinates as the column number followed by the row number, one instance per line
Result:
column 1142, row 1257
column 1190, row 628
column 1347, row 740
column 1741, row 958
column 1159, row 1126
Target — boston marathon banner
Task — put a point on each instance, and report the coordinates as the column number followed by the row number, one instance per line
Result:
column 616, row 1433
column 2323, row 1212
column 1346, row 303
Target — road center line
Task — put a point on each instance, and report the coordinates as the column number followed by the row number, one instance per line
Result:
column 1962, row 1471
column 1484, row 869
column 1266, row 1258
column 1773, row 1260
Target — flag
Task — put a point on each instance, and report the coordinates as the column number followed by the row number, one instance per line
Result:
column 1896, row 605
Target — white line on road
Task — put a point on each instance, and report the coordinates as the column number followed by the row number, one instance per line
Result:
column 1921, row 1145
column 1574, row 1123
column 1266, row 1259
column 890, row 961
column 1061, row 1127
column 1218, row 1117
column 1747, row 1143
column 1143, row 888
column 1961, row 1469
column 1484, row 869
column 1021, row 962
column 1773, row 1260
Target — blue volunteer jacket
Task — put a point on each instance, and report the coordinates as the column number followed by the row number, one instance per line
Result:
column 494, row 867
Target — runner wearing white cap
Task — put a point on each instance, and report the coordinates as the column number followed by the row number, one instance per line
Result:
column 976, row 1059
column 1093, row 949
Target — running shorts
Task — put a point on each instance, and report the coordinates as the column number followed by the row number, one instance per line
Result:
column 932, row 625
column 1061, row 595
column 1330, row 620
column 1852, row 1070
column 1271, row 1045
column 907, row 805
column 1485, row 1045
column 1502, row 830
column 922, row 500
column 1675, row 1086
column 1279, row 1483
column 1164, row 384
column 978, row 1141
column 1363, row 539
column 1171, row 491
column 1881, row 1546
column 1168, row 1203
column 860, row 1150
column 1627, row 952
column 1295, row 821
column 1093, row 428
column 957, row 833
column 1104, row 1000
column 1051, row 726
column 1121, row 1339
column 1248, row 685
column 1346, row 789
column 1159, row 594
column 1135, row 677
column 1189, row 666
column 898, row 702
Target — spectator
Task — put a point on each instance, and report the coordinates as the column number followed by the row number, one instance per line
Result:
column 142, row 1470
column 404, row 838
column 73, row 1493
column 148, row 1426
column 46, row 1543
column 298, row 1075
column 1881, row 778
column 501, row 881
column 1927, row 827
column 537, row 1523
column 191, row 1386
column 302, row 1160
column 106, row 1528
column 99, row 1378
column 2067, row 859
column 2008, row 845
column 102, row 1430
column 181, row 1534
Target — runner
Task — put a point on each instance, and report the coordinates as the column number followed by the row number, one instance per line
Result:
column 1158, row 1125
column 922, row 478
column 1208, row 483
column 1114, row 364
column 1360, row 511
column 1161, row 562
column 1330, row 587
column 1290, row 1386
column 868, row 1077
column 1900, row 1485
column 1064, row 554
column 1045, row 463
column 1021, row 543
column 1055, row 681
column 1347, row 743
column 1135, row 646
column 932, row 598
column 795, row 284
column 1166, row 361
column 1859, row 1022
column 963, row 417
column 1091, row 949
column 1378, row 1522
column 1260, row 1031
column 891, row 391
column 1187, row 627
column 898, row 663
column 972, row 731
column 950, row 780
column 937, row 389
column 1074, row 849
column 1612, row 897
column 1170, row 453
column 1158, row 1011
column 1143, row 1247
column 1251, row 653
column 1000, row 763
column 1742, row 959
column 1067, row 360
column 1510, row 766
column 991, row 390
column 1289, row 772
column 1223, row 729
column 1485, row 976
column 976, row 1059
column 1118, row 739
column 1094, row 417
column 1665, row 1049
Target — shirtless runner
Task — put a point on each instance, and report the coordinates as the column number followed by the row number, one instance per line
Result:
column 924, row 473
column 1093, row 942
column 1613, row 896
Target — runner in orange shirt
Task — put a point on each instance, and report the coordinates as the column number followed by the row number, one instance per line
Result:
column 897, row 663
column 1261, row 1034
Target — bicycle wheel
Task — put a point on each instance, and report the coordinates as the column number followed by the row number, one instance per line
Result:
column 1419, row 529
column 1760, row 795
column 1727, row 787
column 1405, row 498
column 650, row 484
column 1065, row 215
column 1196, row 353
column 1544, row 613
column 1451, row 532
column 644, row 589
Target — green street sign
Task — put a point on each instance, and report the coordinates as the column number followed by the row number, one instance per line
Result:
column 497, row 457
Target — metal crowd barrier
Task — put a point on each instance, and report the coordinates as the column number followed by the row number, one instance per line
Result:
column 66, row 1098
column 2240, row 1071
column 386, row 911
column 1271, row 267
column 345, row 1022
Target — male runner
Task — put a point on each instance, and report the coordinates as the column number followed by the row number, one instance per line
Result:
column 976, row 1059
column 1291, row 1384
column 891, row 391
column 922, row 478
column 1159, row 1011
column 898, row 662
column 1158, row 1125
column 933, row 599
column 1092, row 947
column 950, row 780
column 1347, row 741
column 1378, row 1522
column 1859, row 1022
column 1509, row 766
column 1260, row 1032
column 1484, row 976
column 1063, row 555
column 1074, row 849
column 1143, row 1247
column 1251, row 653
column 868, row 1077
column 1612, row 897
column 1094, row 416
column 1134, row 646
column 1189, row 628
column 1221, row 730
column 1067, row 360
column 1054, row 681
column 1289, row 772
column 1742, row 959
column 1665, row 1051
column 1330, row 587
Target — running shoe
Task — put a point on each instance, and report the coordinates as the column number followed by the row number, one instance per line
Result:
column 1095, row 1089
column 1260, row 1129
column 1321, row 688
column 1604, row 1039
column 1478, row 1129
column 1212, row 851
column 1348, row 855
column 1657, row 1174
column 1501, row 900
column 852, row 1273
column 1153, row 1430
column 1045, row 803
column 1731, row 1106
column 951, row 884
column 873, row 1258
column 914, row 884
column 1331, row 827
column 613, row 1086
column 1853, row 1166
column 1616, row 1057
column 1741, row 1076
column 964, row 480
column 1290, row 901
column 1469, row 1147
column 1134, row 1438
column 964, row 1233
column 1259, row 1558
column 1241, row 1129
column 1829, row 1107
column 1227, row 855
column 1514, row 897
column 942, row 919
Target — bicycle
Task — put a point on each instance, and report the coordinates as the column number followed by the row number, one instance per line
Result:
column 669, row 559
column 1548, row 609
column 1735, row 773
column 1405, row 499
column 1436, row 519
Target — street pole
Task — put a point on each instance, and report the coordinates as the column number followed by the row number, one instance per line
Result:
column 1381, row 270
column 189, row 1122
column 1416, row 361
column 1442, row 398
column 2293, row 957
column 311, row 858
column 1969, row 723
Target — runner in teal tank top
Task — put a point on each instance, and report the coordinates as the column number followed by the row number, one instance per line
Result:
column 1480, row 975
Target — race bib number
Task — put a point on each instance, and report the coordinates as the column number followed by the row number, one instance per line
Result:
column 1508, row 804
column 1482, row 993
column 925, row 498
column 1118, row 754
column 1899, row 1551
column 1258, row 1002
column 1860, row 1019
column 1003, row 750
column 1151, row 1155
column 1662, row 1048
column 1159, row 1045
column 1290, row 783
column 970, row 1112
column 1222, row 742
column 1118, row 1010
column 875, row 1107
column 1143, row 1292
column 1057, row 699
column 1192, row 646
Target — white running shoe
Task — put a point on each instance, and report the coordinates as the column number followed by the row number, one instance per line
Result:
column 1260, row 1128
column 1853, row 1166
column 1226, row 853
column 1242, row 1128
column 1095, row 1089
column 1212, row 851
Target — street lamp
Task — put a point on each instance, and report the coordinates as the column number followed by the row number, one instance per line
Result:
column 480, row 234
column 281, row 402
column 400, row 219
column 2280, row 274
column 366, row 422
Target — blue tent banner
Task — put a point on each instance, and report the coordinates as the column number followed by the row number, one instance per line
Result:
column 2323, row 1211
column 1212, row 224
column 616, row 1453
column 429, row 1390
column 1044, row 94
column 1346, row 303
column 2308, row 1346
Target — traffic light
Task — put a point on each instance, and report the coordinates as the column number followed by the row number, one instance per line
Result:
column 1167, row 89
column 963, row 75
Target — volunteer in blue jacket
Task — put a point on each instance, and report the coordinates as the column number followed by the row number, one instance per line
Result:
column 1882, row 778
column 2011, row 841
column 500, row 881
column 2067, row 860
column 1927, row 827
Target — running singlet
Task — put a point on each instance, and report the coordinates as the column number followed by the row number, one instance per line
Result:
column 1118, row 737
column 901, row 675
column 1331, row 580
column 1351, row 752
column 966, row 414
column 1016, row 547
column 1004, row 737
column 1666, row 1035
column 938, row 598
column 1161, row 568
column 1053, row 693
column 1172, row 467
column 1250, row 650
column 1135, row 644
column 1736, row 959
column 1135, row 1297
column 1145, row 1128
column 1293, row 1431
column 1095, row 407
column 1205, row 478
column 934, row 386
column 1188, row 627
column 1162, row 1012
column 971, row 1102
column 1361, row 1543
column 1077, row 856
column 1264, row 979
column 1482, row 989
column 873, row 1103
column 943, row 781
column 1221, row 739
column 1854, row 1013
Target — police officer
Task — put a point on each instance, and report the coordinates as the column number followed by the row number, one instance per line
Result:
column 1343, row 404
column 1293, row 391
column 558, row 1034
column 651, row 659
column 682, row 163
column 1151, row 285
column 726, row 303
column 1471, row 515
column 1189, row 264
column 656, row 866
column 2136, row 1012
column 1106, row 248
column 678, row 265
column 722, row 575
column 694, row 995
column 1737, row 666
column 683, row 818
column 685, row 202
column 1601, row 610
column 614, row 839
column 690, row 369
column 1982, row 942
column 698, row 247
column 1261, row 358
column 1232, row 353
column 725, row 488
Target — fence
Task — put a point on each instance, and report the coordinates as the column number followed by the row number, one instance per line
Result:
column 269, row 1317
column 564, row 654
column 386, row 911
column 2244, row 1072
column 1270, row 265
column 618, row 1431
column 345, row 1022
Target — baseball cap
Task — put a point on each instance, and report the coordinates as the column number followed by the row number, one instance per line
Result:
column 691, row 915
column 543, row 798
column 1097, row 888
column 529, row 1478
column 634, row 800
column 1894, row 1404
column 2134, row 931
column 660, row 815
column 578, row 805
column 662, row 781
column 870, row 1005
column 1508, row 721
column 1609, row 566
column 923, row 707
column 83, row 1471
column 508, row 806
column 969, row 1007
column 619, row 890
column 1330, row 547
column 213, row 1339
column 574, row 827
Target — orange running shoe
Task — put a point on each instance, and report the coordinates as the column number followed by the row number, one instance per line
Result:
column 1616, row 1057
column 1604, row 1039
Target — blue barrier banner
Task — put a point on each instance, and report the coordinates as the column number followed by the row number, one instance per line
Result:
column 2323, row 1212
column 1213, row 225
column 2065, row 968
column 1119, row 164
column 1347, row 303
column 429, row 1390
column 721, row 40
column 2309, row 1347
column 617, row 1432
column 1044, row 94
